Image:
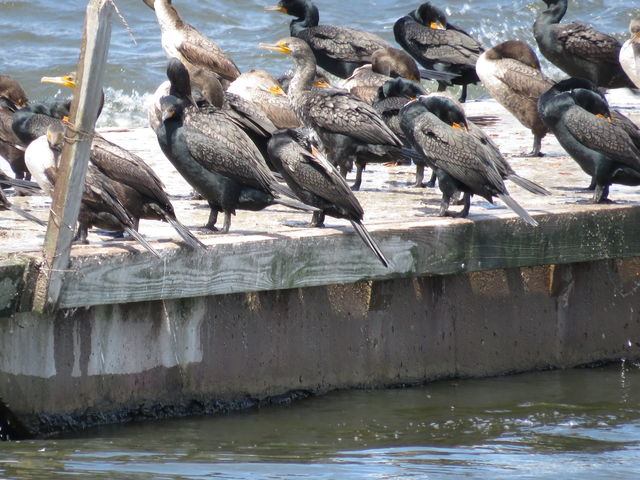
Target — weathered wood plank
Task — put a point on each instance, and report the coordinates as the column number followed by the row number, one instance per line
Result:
column 75, row 156
column 433, row 247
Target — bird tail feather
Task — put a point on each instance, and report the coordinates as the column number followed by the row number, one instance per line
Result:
column 528, row 185
column 142, row 240
column 186, row 234
column 26, row 215
column 297, row 204
column 513, row 205
column 370, row 242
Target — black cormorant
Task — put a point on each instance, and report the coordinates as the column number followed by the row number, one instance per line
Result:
column 577, row 49
column 605, row 145
column 630, row 53
column 219, row 161
column 348, row 128
column 183, row 41
column 338, row 50
column 438, row 45
column 100, row 205
column 511, row 73
column 317, row 182
column 437, row 126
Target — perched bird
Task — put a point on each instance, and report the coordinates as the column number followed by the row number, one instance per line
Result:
column 338, row 50
column 100, row 205
column 317, row 182
column 12, row 98
column 606, row 146
column 578, row 49
column 437, row 126
column 262, row 89
column 139, row 189
column 219, row 161
column 385, row 64
column 347, row 127
column 630, row 53
column 511, row 73
column 438, row 45
column 183, row 41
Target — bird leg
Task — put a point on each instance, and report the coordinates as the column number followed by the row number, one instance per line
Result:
column 432, row 181
column 461, row 214
column 463, row 95
column 537, row 144
column 317, row 220
column 419, row 176
column 81, row 235
column 358, row 181
column 227, row 222
column 591, row 187
column 213, row 218
column 444, row 205
column 601, row 194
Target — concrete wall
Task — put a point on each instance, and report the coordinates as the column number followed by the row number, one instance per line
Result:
column 202, row 355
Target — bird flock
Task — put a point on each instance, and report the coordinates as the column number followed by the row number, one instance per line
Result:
column 248, row 140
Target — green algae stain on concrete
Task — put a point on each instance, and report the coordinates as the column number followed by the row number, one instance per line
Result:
column 11, row 284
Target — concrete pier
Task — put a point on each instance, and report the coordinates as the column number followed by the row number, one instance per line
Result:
column 272, row 312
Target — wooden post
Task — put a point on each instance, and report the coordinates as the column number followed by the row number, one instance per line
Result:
column 75, row 155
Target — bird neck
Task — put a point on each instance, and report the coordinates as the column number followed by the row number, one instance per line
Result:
column 311, row 18
column 553, row 13
column 168, row 16
column 305, row 72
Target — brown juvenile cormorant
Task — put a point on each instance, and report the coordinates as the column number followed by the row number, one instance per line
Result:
column 347, row 127
column 511, row 73
column 317, row 182
column 338, row 50
column 219, row 161
column 183, row 41
column 139, row 189
column 577, row 49
column 630, row 53
column 438, row 45
column 605, row 145
column 100, row 205
column 262, row 89
column 437, row 126
column 12, row 97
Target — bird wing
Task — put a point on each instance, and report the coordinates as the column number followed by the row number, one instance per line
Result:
column 585, row 42
column 339, row 112
column 221, row 154
column 448, row 46
column 343, row 43
column 524, row 80
column 200, row 51
column 457, row 152
column 601, row 135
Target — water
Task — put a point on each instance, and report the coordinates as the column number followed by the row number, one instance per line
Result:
column 41, row 37
column 573, row 424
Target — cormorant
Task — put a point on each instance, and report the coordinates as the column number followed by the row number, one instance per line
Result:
column 262, row 89
column 139, row 189
column 12, row 98
column 577, row 49
column 338, row 50
column 219, row 161
column 183, row 41
column 317, row 182
column 100, row 205
column 511, row 73
column 437, row 44
column 630, row 53
column 605, row 145
column 347, row 127
column 437, row 126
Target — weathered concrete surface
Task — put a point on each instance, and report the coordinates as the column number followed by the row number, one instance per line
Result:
column 207, row 354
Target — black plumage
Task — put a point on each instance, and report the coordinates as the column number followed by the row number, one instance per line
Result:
column 606, row 145
column 12, row 98
column 437, row 126
column 438, row 45
column 219, row 161
column 511, row 73
column 347, row 127
column 317, row 182
column 338, row 50
column 578, row 49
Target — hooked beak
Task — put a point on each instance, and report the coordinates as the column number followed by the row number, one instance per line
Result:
column 322, row 84
column 437, row 26
column 276, row 8
column 66, row 80
column 604, row 117
column 459, row 126
column 277, row 90
column 281, row 47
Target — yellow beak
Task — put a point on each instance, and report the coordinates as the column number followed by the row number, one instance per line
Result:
column 281, row 47
column 277, row 8
column 66, row 80
column 277, row 90
column 437, row 26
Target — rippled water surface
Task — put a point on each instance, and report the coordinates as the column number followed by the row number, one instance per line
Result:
column 42, row 37
column 573, row 424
